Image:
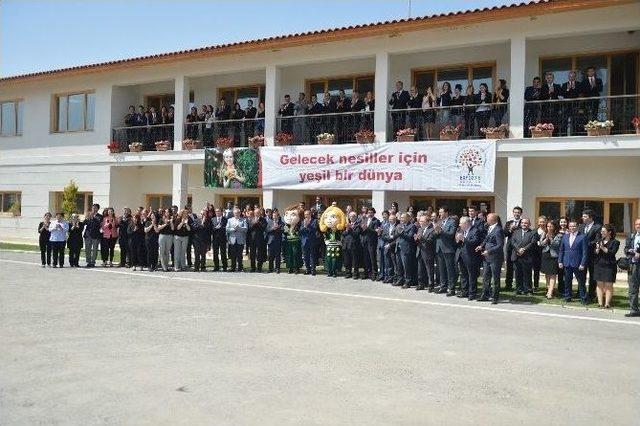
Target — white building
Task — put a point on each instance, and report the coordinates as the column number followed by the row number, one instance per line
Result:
column 56, row 124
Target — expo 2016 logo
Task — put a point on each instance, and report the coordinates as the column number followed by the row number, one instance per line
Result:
column 469, row 160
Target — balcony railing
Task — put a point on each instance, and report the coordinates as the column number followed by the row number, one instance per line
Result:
column 428, row 123
column 207, row 132
column 569, row 116
column 343, row 125
column 146, row 135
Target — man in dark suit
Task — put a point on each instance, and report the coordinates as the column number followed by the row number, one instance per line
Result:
column 250, row 115
column 531, row 110
column 219, row 240
column 572, row 119
column 399, row 100
column 407, row 248
column 351, row 247
column 309, row 240
column 469, row 238
column 632, row 251
column 369, row 236
column 388, row 238
column 287, row 109
column 572, row 260
column 445, row 230
column 551, row 92
column 524, row 244
column 592, row 88
column 382, row 261
column 509, row 228
column 591, row 231
column 492, row 250
column 426, row 240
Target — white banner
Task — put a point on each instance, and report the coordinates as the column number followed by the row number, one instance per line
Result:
column 464, row 166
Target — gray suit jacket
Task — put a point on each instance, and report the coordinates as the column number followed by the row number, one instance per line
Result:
column 237, row 231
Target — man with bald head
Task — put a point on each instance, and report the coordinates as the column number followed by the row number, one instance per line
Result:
column 524, row 243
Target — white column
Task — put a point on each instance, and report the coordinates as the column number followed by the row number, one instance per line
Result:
column 516, row 100
column 181, row 107
column 382, row 96
column 271, row 103
column 515, row 184
column 270, row 199
column 379, row 201
column 179, row 190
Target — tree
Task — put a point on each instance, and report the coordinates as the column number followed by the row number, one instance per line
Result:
column 69, row 197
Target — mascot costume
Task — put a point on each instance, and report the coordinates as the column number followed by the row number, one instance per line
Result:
column 293, row 248
column 332, row 223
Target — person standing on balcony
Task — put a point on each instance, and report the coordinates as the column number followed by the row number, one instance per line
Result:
column 287, row 109
column 457, row 101
column 328, row 107
column 237, row 114
column 249, row 124
column 483, row 111
column 356, row 122
column 260, row 120
column 551, row 92
column 444, row 101
column 315, row 108
column 592, row 88
column 207, row 127
column 343, row 105
column 300, row 133
column 399, row 101
column 429, row 102
column 532, row 94
column 192, row 129
column 223, row 112
column 572, row 115
column 369, row 107
column 130, row 121
column 500, row 97
column 415, row 103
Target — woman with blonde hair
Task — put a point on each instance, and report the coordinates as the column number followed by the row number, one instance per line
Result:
column 332, row 223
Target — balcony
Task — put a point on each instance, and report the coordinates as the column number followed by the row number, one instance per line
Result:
column 142, row 138
column 239, row 131
column 570, row 116
column 343, row 126
column 448, row 123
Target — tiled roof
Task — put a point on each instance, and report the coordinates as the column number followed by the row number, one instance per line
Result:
column 548, row 6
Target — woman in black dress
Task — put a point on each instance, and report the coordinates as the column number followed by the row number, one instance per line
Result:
column 429, row 102
column 550, row 244
column 74, row 242
column 605, row 268
column 45, row 244
column 136, row 242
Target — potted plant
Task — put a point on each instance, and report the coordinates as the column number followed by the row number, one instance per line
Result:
column 450, row 133
column 406, row 135
column 256, row 141
column 283, row 139
column 325, row 138
column 365, row 136
column 598, row 128
column 15, row 209
column 163, row 146
column 224, row 142
column 636, row 124
column 190, row 144
column 541, row 130
column 135, row 147
column 499, row 132
column 113, row 147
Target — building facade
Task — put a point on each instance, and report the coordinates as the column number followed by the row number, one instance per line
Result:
column 56, row 125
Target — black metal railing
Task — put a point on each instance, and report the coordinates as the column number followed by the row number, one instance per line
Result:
column 343, row 126
column 427, row 123
column 569, row 116
column 208, row 132
column 147, row 136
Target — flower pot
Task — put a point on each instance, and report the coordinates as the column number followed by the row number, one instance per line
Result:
column 163, row 146
column 325, row 141
column 449, row 136
column 599, row 131
column 541, row 133
column 114, row 150
column 406, row 138
column 135, row 148
column 496, row 135
column 283, row 142
column 191, row 144
column 637, row 130
column 256, row 143
column 365, row 139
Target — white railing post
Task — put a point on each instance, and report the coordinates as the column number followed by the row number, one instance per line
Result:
column 382, row 95
column 180, row 110
column 272, row 93
column 516, row 100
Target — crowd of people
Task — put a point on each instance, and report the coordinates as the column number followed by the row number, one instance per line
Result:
column 430, row 250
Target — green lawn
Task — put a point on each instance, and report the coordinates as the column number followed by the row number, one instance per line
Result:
column 620, row 296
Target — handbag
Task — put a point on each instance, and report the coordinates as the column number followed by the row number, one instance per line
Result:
column 623, row 263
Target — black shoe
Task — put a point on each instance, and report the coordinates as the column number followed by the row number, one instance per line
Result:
column 405, row 286
column 441, row 290
column 472, row 297
column 356, row 277
column 313, row 273
column 430, row 289
column 451, row 293
column 397, row 283
column 494, row 301
column 374, row 278
column 232, row 270
column 307, row 272
column 419, row 287
column 483, row 299
column 291, row 271
column 463, row 295
column 519, row 293
column 278, row 271
column 632, row 314
column 348, row 275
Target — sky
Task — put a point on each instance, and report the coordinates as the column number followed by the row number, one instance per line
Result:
column 44, row 35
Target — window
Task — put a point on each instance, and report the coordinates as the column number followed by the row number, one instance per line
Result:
column 454, row 204
column 361, row 83
column 163, row 201
column 84, row 201
column 619, row 212
column 464, row 75
column 11, row 113
column 355, row 201
column 74, row 112
column 242, row 95
column 10, row 203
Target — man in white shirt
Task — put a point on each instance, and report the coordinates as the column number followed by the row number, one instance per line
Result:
column 58, row 229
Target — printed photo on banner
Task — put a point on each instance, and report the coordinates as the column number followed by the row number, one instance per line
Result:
column 235, row 168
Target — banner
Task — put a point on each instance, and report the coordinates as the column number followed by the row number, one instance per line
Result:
column 464, row 166
column 235, row 168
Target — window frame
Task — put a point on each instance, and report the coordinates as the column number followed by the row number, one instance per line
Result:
column 607, row 54
column 235, row 89
column 57, row 201
column 470, row 199
column 5, row 193
column 16, row 109
column 310, row 199
column 607, row 201
column 224, row 198
column 325, row 80
column 55, row 111
column 469, row 66
column 148, row 198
